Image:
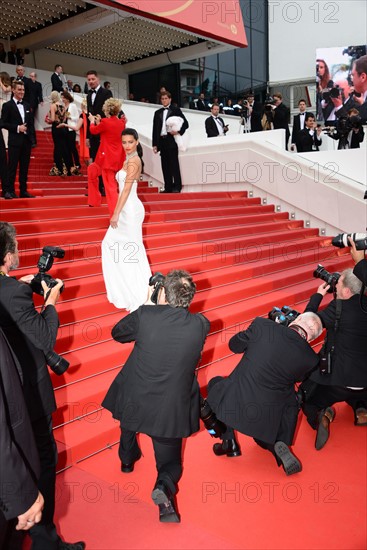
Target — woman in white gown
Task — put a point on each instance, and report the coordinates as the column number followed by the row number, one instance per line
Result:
column 125, row 264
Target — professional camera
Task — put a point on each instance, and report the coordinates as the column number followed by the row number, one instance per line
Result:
column 355, row 51
column 283, row 316
column 156, row 280
column 332, row 93
column 329, row 278
column 57, row 363
column 355, row 122
column 360, row 240
column 45, row 263
column 215, row 427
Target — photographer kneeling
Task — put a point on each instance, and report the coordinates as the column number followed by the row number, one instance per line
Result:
column 156, row 392
column 258, row 398
column 32, row 335
column 345, row 376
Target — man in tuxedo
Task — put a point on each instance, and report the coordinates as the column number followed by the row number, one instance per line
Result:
column 165, row 143
column 58, row 79
column 346, row 325
column 200, row 103
column 258, row 398
column 20, row 501
column 96, row 98
column 31, row 335
column 309, row 138
column 17, row 118
column 255, row 113
column 359, row 75
column 26, row 81
column 299, row 123
column 156, row 392
column 214, row 125
column 281, row 116
column 36, row 94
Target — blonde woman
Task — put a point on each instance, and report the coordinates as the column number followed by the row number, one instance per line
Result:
column 110, row 156
column 62, row 154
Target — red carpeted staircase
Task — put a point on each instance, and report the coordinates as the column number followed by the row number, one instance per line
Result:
column 245, row 258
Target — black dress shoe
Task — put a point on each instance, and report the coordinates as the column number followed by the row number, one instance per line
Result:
column 128, row 468
column 291, row 464
column 325, row 418
column 26, row 195
column 72, row 545
column 228, row 447
column 163, row 497
column 14, row 195
column 8, row 196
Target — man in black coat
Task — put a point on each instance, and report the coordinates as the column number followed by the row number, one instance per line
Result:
column 360, row 269
column 214, row 125
column 201, row 103
column 26, row 81
column 309, row 138
column 58, row 80
column 299, row 122
column 17, row 118
column 20, row 501
column 281, row 116
column 255, row 113
column 156, row 392
column 347, row 380
column 258, row 398
column 35, row 92
column 165, row 143
column 32, row 334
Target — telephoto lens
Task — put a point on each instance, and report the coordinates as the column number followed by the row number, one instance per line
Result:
column 215, row 427
column 57, row 363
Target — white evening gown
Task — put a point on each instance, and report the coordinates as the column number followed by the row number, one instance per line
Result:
column 125, row 264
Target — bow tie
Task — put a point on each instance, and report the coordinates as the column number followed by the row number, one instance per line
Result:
column 302, row 114
column 19, row 103
column 94, row 91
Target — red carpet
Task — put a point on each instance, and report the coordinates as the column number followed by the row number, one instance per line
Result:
column 245, row 258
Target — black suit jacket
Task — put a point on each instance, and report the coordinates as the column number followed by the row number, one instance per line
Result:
column 363, row 112
column 30, row 335
column 281, row 119
column 19, row 464
column 305, row 141
column 360, row 271
column 96, row 108
column 201, row 105
column 170, row 142
column 35, row 94
column 211, row 127
column 156, row 392
column 357, row 138
column 349, row 363
column 260, row 391
column 57, row 84
column 11, row 119
column 297, row 126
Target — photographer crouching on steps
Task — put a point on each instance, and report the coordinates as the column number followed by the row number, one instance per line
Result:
column 345, row 378
column 32, row 335
column 156, row 392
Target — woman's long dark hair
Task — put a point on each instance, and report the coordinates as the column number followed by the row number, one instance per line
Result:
column 139, row 149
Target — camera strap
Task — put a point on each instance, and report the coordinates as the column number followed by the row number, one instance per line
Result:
column 329, row 343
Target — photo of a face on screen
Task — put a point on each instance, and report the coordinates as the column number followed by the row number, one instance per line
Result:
column 337, row 82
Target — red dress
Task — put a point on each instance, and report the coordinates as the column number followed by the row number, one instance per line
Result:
column 109, row 160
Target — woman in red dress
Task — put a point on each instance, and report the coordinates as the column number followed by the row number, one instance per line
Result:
column 110, row 156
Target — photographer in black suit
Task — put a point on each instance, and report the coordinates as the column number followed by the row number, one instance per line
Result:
column 360, row 269
column 299, row 123
column 21, row 503
column 309, row 138
column 164, row 142
column 346, row 350
column 214, row 125
column 281, row 116
column 17, row 118
column 31, row 335
column 258, row 398
column 156, row 392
